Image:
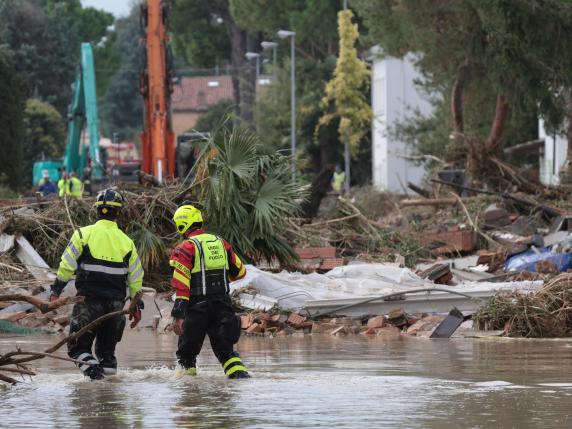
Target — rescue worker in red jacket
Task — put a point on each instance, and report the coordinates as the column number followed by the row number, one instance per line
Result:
column 203, row 264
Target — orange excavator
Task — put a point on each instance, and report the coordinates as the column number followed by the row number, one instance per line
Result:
column 156, row 86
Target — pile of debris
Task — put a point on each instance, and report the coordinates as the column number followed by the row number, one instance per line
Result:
column 395, row 323
column 547, row 313
column 355, row 236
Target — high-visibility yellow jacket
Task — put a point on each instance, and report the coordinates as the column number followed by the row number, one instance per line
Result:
column 203, row 265
column 76, row 187
column 63, row 187
column 105, row 261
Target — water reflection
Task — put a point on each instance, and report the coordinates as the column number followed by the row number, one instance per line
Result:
column 311, row 381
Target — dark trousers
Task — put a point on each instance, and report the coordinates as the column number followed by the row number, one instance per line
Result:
column 106, row 335
column 213, row 316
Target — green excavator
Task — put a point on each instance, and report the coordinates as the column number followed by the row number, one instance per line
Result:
column 82, row 114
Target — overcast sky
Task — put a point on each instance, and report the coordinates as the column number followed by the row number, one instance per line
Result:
column 116, row 7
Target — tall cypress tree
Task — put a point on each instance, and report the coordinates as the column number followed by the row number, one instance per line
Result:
column 11, row 127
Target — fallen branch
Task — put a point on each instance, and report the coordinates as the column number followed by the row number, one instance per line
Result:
column 43, row 306
column 341, row 219
column 19, row 371
column 33, row 356
column 473, row 225
column 8, row 358
column 97, row 322
column 7, row 379
column 413, row 202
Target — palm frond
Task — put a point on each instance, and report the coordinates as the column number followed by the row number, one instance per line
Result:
column 150, row 247
column 248, row 195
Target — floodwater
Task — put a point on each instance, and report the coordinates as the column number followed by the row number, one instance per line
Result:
column 306, row 382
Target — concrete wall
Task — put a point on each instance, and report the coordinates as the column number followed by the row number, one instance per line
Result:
column 394, row 98
column 552, row 157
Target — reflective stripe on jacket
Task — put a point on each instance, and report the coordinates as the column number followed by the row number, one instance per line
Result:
column 105, row 261
column 203, row 265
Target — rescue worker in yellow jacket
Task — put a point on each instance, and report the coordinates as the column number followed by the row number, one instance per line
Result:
column 76, row 187
column 203, row 264
column 64, row 185
column 106, row 264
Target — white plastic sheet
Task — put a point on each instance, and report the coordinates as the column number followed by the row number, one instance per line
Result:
column 293, row 290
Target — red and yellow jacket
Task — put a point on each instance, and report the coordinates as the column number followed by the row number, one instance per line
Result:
column 202, row 253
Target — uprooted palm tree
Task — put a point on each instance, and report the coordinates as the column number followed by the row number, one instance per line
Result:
column 248, row 194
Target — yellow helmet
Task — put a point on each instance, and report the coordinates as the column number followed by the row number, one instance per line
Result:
column 185, row 216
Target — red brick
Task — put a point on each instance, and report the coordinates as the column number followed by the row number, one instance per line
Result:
column 328, row 264
column 254, row 328
column 376, row 322
column 322, row 328
column 370, row 331
column 316, row 252
column 450, row 241
column 262, row 316
column 427, row 324
column 295, row 319
column 245, row 321
column 388, row 330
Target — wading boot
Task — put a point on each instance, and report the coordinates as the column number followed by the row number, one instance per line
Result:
column 95, row 372
column 239, row 374
column 234, row 368
column 187, row 368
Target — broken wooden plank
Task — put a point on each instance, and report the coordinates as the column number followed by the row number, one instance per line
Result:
column 413, row 202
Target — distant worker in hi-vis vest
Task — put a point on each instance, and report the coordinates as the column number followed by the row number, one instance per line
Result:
column 106, row 265
column 203, row 265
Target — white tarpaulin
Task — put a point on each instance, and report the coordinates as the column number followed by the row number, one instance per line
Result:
column 292, row 291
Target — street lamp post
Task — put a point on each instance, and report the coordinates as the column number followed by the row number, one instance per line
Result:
column 250, row 56
column 272, row 45
column 254, row 55
column 347, row 154
column 284, row 34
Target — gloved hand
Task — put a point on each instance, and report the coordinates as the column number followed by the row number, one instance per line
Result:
column 136, row 314
column 56, row 289
column 178, row 326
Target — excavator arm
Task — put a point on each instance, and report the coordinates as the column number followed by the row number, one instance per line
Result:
column 82, row 115
column 157, row 138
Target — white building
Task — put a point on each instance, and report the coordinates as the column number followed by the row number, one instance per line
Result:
column 395, row 97
column 553, row 157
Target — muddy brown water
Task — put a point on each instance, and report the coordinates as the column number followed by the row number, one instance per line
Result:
column 306, row 382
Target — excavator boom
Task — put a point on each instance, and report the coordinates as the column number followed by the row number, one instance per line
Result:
column 83, row 114
column 157, row 139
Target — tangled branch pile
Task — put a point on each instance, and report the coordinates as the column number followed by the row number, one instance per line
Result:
column 246, row 194
column 547, row 313
column 356, row 235
column 15, row 362
column 50, row 226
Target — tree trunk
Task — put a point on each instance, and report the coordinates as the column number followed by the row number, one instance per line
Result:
column 569, row 131
column 494, row 140
column 456, row 148
column 463, row 77
column 480, row 152
column 243, row 73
